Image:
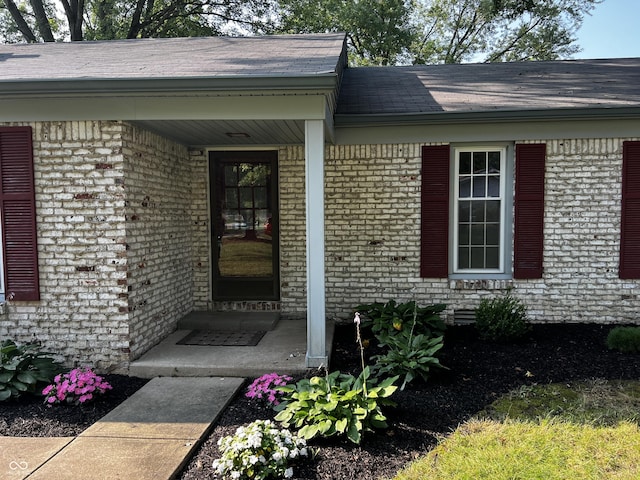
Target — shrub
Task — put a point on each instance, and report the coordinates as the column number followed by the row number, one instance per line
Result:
column 265, row 387
column 80, row 385
column 391, row 318
column 259, row 451
column 502, row 319
column 624, row 339
column 409, row 358
column 337, row 404
column 24, row 369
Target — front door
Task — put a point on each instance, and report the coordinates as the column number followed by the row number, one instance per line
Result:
column 244, row 201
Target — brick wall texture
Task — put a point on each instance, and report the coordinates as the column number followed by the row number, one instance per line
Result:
column 124, row 242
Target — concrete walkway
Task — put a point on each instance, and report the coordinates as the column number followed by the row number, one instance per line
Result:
column 149, row 436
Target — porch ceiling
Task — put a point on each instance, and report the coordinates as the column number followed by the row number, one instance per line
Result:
column 203, row 133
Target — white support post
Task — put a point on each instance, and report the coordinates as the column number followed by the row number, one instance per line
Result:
column 314, row 173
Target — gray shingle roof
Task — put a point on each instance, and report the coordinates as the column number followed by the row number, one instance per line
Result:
column 490, row 87
column 268, row 56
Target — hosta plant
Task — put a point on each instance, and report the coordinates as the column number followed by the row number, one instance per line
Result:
column 80, row 385
column 409, row 358
column 391, row 319
column 24, row 369
column 259, row 451
column 336, row 404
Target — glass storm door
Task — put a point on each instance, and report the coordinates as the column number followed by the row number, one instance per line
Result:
column 245, row 220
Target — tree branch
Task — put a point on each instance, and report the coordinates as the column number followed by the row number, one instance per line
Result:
column 42, row 21
column 21, row 23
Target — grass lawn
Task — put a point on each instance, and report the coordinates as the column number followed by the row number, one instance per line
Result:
column 580, row 431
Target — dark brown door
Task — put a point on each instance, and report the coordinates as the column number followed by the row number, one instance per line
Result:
column 245, row 225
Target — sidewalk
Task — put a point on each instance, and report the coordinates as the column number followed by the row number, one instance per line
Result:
column 150, row 436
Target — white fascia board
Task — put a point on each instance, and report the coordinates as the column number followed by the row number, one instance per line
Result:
column 167, row 107
column 487, row 131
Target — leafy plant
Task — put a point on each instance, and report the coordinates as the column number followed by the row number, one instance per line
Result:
column 24, row 369
column 388, row 319
column 265, row 387
column 336, row 404
column 259, row 451
column 80, row 385
column 624, row 339
column 409, row 358
column 502, row 319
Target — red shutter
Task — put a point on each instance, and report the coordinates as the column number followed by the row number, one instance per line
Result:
column 17, row 208
column 529, row 211
column 434, row 235
column 630, row 225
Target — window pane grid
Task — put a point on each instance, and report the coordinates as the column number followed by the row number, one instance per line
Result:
column 479, row 206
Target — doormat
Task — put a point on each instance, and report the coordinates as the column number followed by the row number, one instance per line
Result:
column 222, row 338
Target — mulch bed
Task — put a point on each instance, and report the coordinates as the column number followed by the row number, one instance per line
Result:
column 479, row 372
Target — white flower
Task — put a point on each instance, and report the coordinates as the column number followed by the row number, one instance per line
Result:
column 288, row 473
column 235, row 474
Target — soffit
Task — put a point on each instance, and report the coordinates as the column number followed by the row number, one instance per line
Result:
column 204, row 133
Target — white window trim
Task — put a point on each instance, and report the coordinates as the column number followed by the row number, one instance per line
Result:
column 506, row 214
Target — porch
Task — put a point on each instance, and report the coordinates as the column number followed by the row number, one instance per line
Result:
column 281, row 349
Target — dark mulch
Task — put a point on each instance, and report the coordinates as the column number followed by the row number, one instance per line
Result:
column 479, row 373
column 30, row 417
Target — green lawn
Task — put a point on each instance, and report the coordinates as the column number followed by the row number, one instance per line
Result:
column 579, row 431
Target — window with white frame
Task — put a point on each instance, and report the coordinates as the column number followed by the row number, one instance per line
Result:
column 479, row 210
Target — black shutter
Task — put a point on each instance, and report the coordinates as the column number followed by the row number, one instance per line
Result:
column 434, row 234
column 17, row 207
column 630, row 222
column 529, row 211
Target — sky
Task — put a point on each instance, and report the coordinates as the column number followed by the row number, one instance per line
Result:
column 612, row 31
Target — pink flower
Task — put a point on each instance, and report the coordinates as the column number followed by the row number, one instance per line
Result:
column 78, row 386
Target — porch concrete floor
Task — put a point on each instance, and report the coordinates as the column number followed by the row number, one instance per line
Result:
column 282, row 350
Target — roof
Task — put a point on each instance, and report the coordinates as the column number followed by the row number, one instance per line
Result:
column 274, row 57
column 425, row 90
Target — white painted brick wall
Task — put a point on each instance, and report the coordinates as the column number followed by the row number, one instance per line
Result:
column 123, row 232
column 158, row 182
column 80, row 208
column 373, row 227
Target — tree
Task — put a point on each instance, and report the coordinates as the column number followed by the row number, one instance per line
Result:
column 455, row 31
column 443, row 31
column 379, row 32
column 41, row 20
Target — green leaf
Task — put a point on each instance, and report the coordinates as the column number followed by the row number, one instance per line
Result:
column 5, row 394
column 6, row 377
column 353, row 433
column 341, row 425
column 19, row 386
column 308, row 431
column 27, row 378
column 325, row 426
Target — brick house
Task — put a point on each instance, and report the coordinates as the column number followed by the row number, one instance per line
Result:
column 145, row 179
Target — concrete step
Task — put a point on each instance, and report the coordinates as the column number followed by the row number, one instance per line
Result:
column 281, row 350
column 238, row 321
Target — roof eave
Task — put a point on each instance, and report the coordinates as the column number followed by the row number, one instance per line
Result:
column 494, row 116
column 92, row 86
